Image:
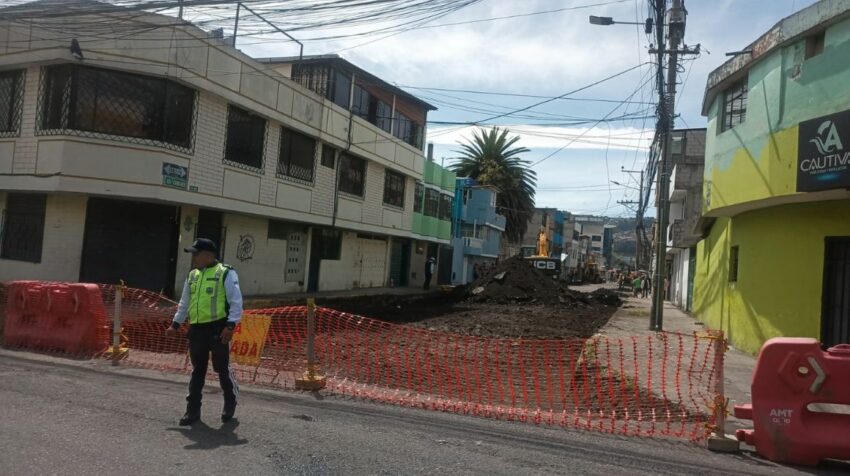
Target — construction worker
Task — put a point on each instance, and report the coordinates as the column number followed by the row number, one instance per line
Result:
column 212, row 301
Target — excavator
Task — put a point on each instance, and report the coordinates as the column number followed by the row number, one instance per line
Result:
column 541, row 260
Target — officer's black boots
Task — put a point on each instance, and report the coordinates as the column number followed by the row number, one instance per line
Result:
column 189, row 418
column 228, row 412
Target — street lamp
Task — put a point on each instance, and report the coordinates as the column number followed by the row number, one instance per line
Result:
column 605, row 21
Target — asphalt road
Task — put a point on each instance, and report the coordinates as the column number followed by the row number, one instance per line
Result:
column 60, row 417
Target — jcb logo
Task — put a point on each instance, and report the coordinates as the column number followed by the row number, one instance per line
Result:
column 545, row 265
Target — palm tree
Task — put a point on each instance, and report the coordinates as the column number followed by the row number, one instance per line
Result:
column 491, row 159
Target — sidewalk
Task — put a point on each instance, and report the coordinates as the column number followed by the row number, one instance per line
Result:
column 298, row 299
column 633, row 320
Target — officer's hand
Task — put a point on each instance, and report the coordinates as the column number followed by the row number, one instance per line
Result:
column 226, row 334
column 170, row 332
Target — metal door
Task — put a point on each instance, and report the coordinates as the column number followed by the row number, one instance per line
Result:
column 131, row 241
column 295, row 257
column 835, row 315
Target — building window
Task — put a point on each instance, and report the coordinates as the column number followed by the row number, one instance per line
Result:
column 360, row 102
column 418, row 197
column 733, row 264
column 445, row 206
column 11, row 99
column 297, row 155
column 98, row 102
column 23, row 227
column 352, row 175
column 328, row 156
column 408, row 131
column 394, row 189
column 246, row 139
column 383, row 115
column 341, row 89
column 372, row 109
column 278, row 230
column 734, row 105
column 432, row 203
column 814, row 44
column 331, row 243
column 596, row 238
column 313, row 77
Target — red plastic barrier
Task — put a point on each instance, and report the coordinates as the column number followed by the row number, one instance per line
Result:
column 24, row 323
column 791, row 374
column 68, row 318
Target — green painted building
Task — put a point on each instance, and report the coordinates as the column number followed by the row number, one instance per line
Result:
column 775, row 258
column 432, row 204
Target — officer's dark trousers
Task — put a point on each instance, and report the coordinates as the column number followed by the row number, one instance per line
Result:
column 205, row 339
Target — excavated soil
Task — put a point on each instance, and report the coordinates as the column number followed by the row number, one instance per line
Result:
column 514, row 300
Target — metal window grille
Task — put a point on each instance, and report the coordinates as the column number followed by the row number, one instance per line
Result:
column 418, row 197
column 313, row 77
column 23, row 227
column 328, row 156
column 246, row 139
column 394, row 189
column 11, row 101
column 297, row 158
column 105, row 104
column 432, row 203
column 735, row 105
column 352, row 175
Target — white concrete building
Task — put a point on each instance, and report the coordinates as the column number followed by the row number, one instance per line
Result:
column 112, row 163
column 686, row 184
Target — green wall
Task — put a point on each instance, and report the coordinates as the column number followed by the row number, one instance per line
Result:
column 780, row 272
column 434, row 174
column 757, row 159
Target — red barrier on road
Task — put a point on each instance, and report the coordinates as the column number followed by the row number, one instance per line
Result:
column 653, row 385
column 791, row 375
column 60, row 317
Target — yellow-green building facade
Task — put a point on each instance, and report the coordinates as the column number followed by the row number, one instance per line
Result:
column 775, row 260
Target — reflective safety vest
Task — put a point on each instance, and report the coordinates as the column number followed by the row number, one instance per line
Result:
column 207, row 298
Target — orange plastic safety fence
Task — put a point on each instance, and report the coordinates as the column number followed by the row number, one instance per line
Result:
column 661, row 384
column 656, row 385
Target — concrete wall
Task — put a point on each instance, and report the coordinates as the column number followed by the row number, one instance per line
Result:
column 780, row 272
column 62, row 248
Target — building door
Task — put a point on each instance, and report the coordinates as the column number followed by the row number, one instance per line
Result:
column 210, row 227
column 295, row 254
column 835, row 316
column 400, row 262
column 131, row 241
column 444, row 266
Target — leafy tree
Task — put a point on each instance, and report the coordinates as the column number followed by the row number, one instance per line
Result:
column 491, row 158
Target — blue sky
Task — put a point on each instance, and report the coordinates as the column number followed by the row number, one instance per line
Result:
column 549, row 55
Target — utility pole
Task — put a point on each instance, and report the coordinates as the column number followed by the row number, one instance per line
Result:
column 638, row 217
column 675, row 34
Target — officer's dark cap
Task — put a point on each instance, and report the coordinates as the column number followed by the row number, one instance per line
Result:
column 202, row 244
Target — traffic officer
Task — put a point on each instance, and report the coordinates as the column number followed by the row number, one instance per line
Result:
column 212, row 301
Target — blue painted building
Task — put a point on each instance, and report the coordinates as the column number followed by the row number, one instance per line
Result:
column 476, row 232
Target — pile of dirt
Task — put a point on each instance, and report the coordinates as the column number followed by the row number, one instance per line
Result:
column 515, row 281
